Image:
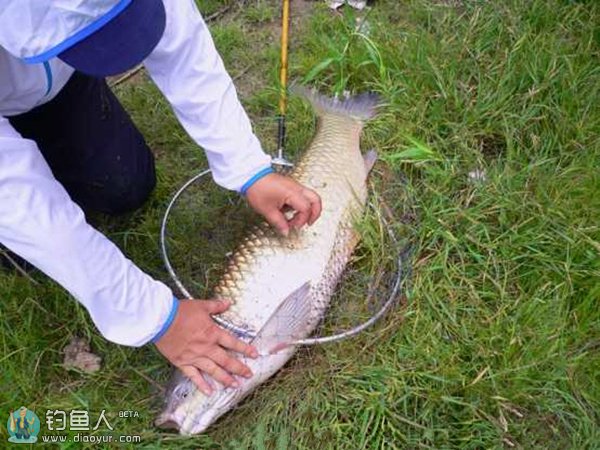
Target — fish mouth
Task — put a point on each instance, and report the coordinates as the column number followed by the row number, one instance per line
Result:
column 188, row 422
column 167, row 422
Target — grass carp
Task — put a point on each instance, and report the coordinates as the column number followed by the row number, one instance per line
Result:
column 281, row 286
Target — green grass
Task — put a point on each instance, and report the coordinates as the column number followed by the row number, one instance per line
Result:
column 498, row 344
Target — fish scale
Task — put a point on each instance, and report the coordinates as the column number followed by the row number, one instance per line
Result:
column 332, row 167
column 281, row 286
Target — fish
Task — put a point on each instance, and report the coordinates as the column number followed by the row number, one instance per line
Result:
column 281, row 286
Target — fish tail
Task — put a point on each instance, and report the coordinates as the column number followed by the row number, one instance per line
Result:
column 360, row 107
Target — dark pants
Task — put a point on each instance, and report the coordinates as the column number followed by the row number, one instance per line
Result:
column 92, row 146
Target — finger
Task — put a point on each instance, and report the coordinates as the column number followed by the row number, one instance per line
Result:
column 315, row 205
column 214, row 370
column 277, row 219
column 302, row 207
column 228, row 341
column 231, row 364
column 193, row 374
column 216, row 306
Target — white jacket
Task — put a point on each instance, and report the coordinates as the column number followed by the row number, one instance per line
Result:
column 39, row 221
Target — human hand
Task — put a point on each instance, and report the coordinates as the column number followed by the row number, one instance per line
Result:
column 270, row 195
column 195, row 344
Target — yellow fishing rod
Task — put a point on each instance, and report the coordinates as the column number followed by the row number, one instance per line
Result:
column 283, row 79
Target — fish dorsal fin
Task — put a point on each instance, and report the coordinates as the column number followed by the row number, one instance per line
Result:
column 290, row 318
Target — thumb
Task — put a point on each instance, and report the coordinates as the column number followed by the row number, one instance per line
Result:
column 216, row 306
column 278, row 220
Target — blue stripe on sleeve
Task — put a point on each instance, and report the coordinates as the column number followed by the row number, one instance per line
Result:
column 167, row 324
column 255, row 178
column 80, row 35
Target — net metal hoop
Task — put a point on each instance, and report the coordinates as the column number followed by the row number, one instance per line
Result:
column 400, row 276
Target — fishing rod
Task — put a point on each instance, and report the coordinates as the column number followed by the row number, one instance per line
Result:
column 280, row 160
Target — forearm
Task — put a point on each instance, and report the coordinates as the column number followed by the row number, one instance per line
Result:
column 39, row 222
column 188, row 70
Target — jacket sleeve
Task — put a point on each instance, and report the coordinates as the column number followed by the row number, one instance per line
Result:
column 190, row 73
column 39, row 222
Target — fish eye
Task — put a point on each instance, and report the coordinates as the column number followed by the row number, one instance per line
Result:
column 183, row 391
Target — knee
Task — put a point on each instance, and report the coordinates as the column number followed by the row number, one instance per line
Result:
column 129, row 194
column 117, row 194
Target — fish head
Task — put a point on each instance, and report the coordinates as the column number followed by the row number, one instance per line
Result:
column 178, row 394
column 187, row 409
column 200, row 411
column 207, row 409
column 190, row 411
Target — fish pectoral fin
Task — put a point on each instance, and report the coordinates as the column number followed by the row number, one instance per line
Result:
column 288, row 321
